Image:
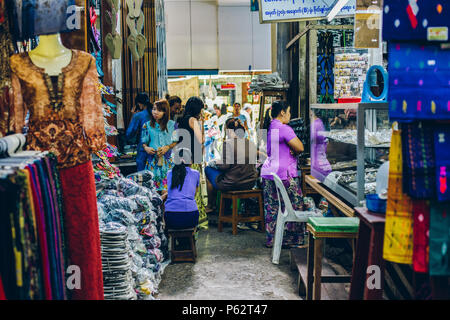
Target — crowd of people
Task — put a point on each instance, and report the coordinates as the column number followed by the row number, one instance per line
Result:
column 173, row 143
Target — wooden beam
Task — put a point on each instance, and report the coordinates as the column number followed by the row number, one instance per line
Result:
column 298, row 36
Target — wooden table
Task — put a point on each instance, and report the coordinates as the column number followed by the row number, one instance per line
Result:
column 333, row 199
column 369, row 252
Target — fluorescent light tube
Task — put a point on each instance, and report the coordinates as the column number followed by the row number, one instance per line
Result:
column 338, row 5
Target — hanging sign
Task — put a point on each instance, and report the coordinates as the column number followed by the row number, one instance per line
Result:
column 297, row 10
column 228, row 86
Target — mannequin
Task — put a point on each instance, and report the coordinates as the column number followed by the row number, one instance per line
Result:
column 58, row 88
column 50, row 54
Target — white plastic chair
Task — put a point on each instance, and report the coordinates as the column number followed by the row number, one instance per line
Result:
column 289, row 215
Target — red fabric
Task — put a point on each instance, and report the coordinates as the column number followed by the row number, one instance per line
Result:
column 40, row 222
column 2, row 292
column 82, row 230
column 421, row 230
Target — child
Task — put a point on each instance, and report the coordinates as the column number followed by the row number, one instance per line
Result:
column 181, row 211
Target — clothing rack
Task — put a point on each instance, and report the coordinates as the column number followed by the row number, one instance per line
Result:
column 32, row 263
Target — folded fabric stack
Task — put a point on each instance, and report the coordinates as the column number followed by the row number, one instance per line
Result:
column 138, row 210
column 267, row 82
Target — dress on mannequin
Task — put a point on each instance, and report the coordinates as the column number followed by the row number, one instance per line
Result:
column 66, row 119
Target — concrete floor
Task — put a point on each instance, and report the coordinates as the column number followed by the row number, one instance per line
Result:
column 230, row 268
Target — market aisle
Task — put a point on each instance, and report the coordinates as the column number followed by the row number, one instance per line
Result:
column 232, row 268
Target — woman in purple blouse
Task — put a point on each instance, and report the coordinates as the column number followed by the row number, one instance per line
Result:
column 282, row 146
column 181, row 211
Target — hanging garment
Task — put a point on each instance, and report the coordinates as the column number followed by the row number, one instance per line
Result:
column 418, row 160
column 398, row 235
column 419, row 78
column 66, row 115
column 325, row 63
column 82, row 230
column 421, row 212
column 439, row 239
column 66, row 119
column 442, row 156
column 416, row 20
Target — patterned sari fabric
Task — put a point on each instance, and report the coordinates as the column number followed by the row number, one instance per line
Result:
column 439, row 239
column 421, row 212
column 442, row 154
column 293, row 232
column 418, row 160
column 398, row 234
column 203, row 217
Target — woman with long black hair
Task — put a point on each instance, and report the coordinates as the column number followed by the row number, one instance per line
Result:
column 181, row 211
column 191, row 136
column 283, row 162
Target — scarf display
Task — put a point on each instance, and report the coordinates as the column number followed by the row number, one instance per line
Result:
column 421, row 213
column 418, row 160
column 398, row 235
column 442, row 155
column 33, row 258
column 439, row 239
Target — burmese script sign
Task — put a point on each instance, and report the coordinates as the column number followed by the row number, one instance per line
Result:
column 296, row 10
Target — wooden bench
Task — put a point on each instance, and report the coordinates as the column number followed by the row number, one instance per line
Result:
column 185, row 255
column 234, row 218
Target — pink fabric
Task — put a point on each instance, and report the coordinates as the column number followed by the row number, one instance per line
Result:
column 421, row 229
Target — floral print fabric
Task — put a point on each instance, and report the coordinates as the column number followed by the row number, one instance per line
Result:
column 293, row 232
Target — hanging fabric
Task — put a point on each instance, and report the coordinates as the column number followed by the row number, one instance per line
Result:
column 33, row 263
column 398, row 236
column 439, row 239
column 421, row 212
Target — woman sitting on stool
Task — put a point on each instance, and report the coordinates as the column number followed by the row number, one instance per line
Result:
column 237, row 168
column 181, row 211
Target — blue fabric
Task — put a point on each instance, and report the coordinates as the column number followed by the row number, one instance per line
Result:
column 39, row 17
column 442, row 155
column 212, row 174
column 181, row 220
column 183, row 200
column 419, row 82
column 398, row 25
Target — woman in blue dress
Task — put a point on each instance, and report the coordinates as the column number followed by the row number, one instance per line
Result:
column 158, row 139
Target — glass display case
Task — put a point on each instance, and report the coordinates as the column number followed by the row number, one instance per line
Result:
column 349, row 142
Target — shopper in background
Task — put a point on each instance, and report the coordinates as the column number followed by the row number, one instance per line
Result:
column 141, row 114
column 190, row 127
column 282, row 146
column 237, row 168
column 247, row 111
column 158, row 139
column 181, row 211
column 175, row 106
column 237, row 114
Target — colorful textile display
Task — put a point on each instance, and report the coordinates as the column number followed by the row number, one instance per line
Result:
column 418, row 160
column 325, row 64
column 439, row 239
column 419, row 82
column 398, row 234
column 32, row 251
column 416, row 20
column 442, row 155
column 421, row 213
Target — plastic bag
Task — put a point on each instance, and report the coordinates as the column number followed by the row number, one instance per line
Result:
column 128, row 187
column 143, row 203
column 111, row 203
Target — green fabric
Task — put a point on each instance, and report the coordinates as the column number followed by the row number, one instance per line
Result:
column 334, row 224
